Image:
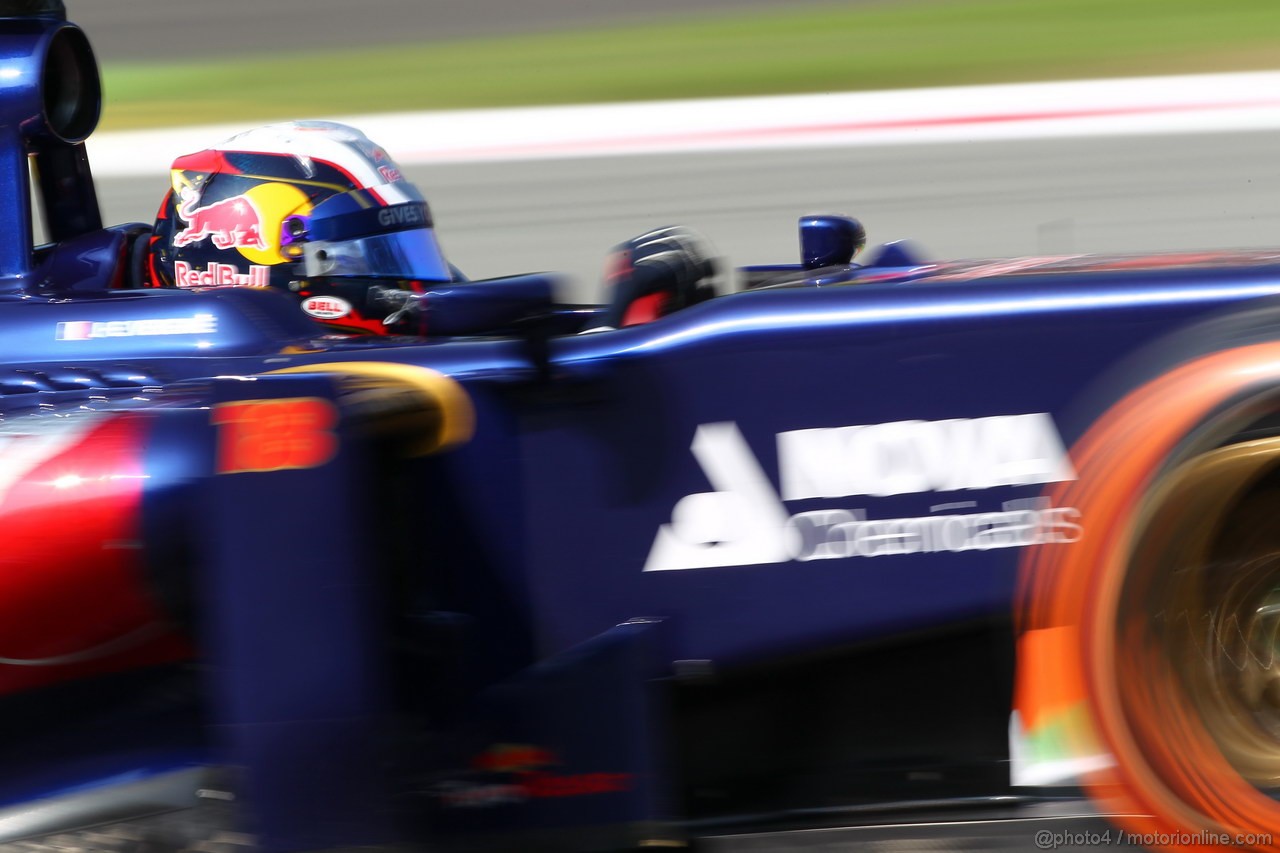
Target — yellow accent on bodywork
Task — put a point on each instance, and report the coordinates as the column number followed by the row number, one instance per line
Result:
column 452, row 403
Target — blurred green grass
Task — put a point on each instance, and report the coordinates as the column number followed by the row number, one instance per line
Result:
column 875, row 44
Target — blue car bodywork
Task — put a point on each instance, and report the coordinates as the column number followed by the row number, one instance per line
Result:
column 758, row 556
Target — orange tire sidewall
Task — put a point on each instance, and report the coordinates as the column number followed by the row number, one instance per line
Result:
column 1166, row 766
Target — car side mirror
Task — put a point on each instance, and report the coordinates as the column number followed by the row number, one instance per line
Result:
column 828, row 240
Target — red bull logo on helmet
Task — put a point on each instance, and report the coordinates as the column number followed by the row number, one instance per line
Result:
column 231, row 222
column 220, row 275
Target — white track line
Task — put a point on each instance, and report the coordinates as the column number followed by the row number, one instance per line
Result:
column 1185, row 104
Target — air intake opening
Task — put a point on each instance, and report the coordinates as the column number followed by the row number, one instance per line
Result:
column 71, row 88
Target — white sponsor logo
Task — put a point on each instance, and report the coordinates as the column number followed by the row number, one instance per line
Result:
column 221, row 275
column 326, row 307
column 84, row 330
column 743, row 520
column 738, row 524
column 921, row 456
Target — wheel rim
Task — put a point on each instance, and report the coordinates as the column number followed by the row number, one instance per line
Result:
column 1200, row 611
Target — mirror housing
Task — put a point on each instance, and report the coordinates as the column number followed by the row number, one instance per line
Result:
column 50, row 101
column 828, row 240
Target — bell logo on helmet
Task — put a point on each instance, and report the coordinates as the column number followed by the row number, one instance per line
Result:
column 230, row 222
column 326, row 307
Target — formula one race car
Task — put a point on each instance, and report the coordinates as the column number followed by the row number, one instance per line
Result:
column 855, row 538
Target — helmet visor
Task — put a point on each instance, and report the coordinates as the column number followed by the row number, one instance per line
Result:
column 413, row 254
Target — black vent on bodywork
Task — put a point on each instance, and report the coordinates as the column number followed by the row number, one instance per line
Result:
column 74, row 379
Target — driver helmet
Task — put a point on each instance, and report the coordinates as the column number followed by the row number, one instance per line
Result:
column 310, row 207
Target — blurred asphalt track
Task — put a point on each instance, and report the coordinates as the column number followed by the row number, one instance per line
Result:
column 176, row 29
